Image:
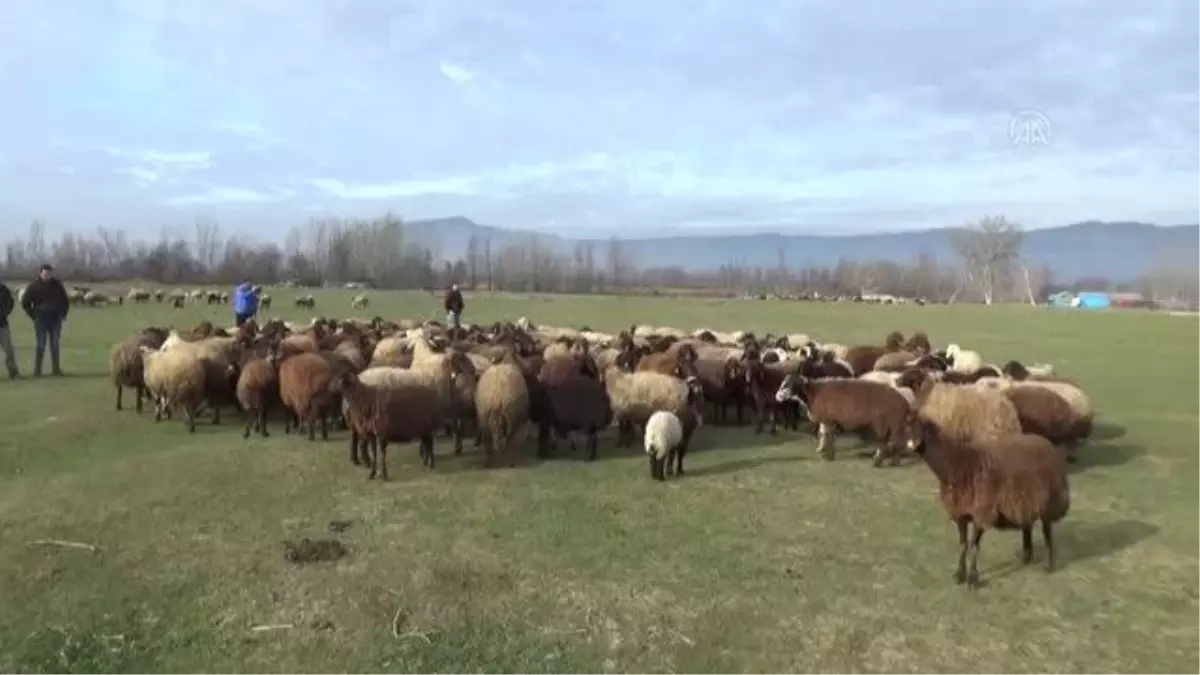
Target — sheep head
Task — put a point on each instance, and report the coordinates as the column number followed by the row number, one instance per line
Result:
column 894, row 341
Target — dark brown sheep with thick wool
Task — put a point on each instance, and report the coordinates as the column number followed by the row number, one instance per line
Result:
column 400, row 413
column 679, row 360
column 1007, row 482
column 258, row 390
column 862, row 406
column 304, row 390
column 576, row 403
column 862, row 358
column 126, row 365
column 724, row 384
column 1043, row 412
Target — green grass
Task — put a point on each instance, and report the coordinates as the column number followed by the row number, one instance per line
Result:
column 764, row 558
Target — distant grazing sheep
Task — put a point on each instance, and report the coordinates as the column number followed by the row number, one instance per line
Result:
column 306, row 301
column 359, row 302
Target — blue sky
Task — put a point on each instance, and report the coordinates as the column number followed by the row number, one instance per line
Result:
column 620, row 116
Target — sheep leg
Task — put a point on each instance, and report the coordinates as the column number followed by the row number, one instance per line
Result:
column 250, row 419
column 324, row 427
column 1026, row 544
column 960, row 574
column 771, row 411
column 593, row 444
column 1049, row 539
column 372, row 456
column 120, row 391
column 189, row 416
column 216, row 414
column 657, row 468
column 759, row 414
column 544, row 440
column 141, row 391
column 354, row 448
column 381, row 460
column 825, row 444
column 262, row 421
column 458, row 425
column 973, row 572
column 312, row 426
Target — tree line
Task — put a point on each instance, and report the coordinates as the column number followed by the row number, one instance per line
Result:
column 989, row 266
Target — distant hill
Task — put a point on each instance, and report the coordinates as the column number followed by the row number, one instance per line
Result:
column 1120, row 251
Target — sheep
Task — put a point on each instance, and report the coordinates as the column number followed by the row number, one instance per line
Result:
column 176, row 380
column 963, row 360
column 724, row 384
column 891, row 379
column 965, row 413
column 306, row 300
column 501, row 408
column 1043, row 412
column 125, row 365
column 359, row 302
column 637, row 396
column 894, row 361
column 304, row 391
column 852, row 405
column 663, row 438
column 380, row 415
column 258, row 390
column 574, row 402
column 1010, row 481
column 1017, row 371
column 679, row 360
column 918, row 344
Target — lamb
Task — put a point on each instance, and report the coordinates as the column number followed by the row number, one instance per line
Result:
column 964, row 413
column 852, row 405
column 176, row 380
column 501, row 408
column 381, row 415
column 1010, row 481
column 258, row 391
column 637, row 396
column 963, row 360
column 663, row 439
column 304, row 390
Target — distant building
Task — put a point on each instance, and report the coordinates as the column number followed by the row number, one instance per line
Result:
column 1093, row 300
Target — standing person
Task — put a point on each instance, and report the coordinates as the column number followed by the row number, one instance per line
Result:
column 454, row 307
column 245, row 302
column 47, row 304
column 6, row 308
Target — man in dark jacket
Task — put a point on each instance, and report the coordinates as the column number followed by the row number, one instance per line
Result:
column 454, row 307
column 6, row 308
column 47, row 304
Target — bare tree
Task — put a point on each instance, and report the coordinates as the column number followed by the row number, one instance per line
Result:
column 989, row 249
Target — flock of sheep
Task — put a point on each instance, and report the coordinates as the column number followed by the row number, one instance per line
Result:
column 997, row 438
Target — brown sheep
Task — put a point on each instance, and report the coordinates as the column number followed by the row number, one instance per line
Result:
column 258, row 390
column 679, row 360
column 304, row 390
column 965, row 412
column 852, row 405
column 126, row 366
column 918, row 344
column 724, row 384
column 1007, row 482
column 398, row 413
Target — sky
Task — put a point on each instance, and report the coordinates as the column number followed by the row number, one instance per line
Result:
column 598, row 117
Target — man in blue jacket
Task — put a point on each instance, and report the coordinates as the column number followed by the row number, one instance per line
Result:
column 245, row 302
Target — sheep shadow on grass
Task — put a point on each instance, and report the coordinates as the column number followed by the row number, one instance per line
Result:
column 1102, row 431
column 744, row 464
column 1075, row 542
column 1088, row 456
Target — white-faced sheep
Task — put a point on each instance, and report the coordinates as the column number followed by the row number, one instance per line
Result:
column 1010, row 481
column 663, row 438
column 502, row 409
column 175, row 379
column 963, row 360
column 863, row 406
column 382, row 415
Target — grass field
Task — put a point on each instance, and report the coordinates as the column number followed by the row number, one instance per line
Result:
column 763, row 558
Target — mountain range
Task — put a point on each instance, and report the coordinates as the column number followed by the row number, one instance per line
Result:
column 1116, row 250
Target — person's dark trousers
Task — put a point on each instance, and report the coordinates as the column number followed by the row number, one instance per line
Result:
column 47, row 330
column 240, row 319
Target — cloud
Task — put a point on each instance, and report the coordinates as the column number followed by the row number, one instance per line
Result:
column 458, row 74
column 623, row 115
column 218, row 195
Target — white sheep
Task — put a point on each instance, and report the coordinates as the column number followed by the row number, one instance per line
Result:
column 664, row 436
column 359, row 302
column 963, row 360
column 174, row 379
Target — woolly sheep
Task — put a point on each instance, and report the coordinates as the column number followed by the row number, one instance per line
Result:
column 963, row 360
column 258, row 391
column 1010, row 481
column 637, row 396
column 663, row 437
column 852, row 405
column 304, row 381
column 176, row 380
column 502, row 409
column 380, row 415
column 359, row 302
column 965, row 413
